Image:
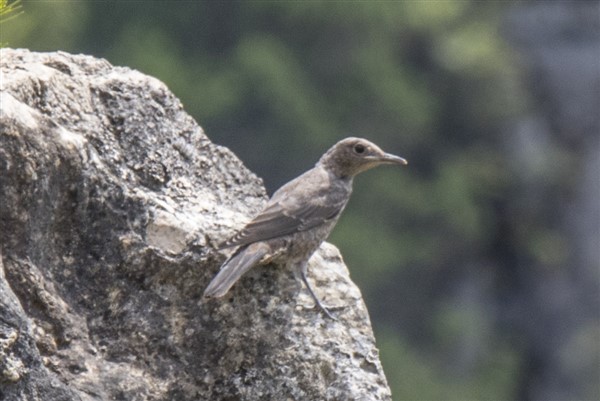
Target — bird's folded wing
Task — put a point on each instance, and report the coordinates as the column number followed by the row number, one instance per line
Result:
column 277, row 220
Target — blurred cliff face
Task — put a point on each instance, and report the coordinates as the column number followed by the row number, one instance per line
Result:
column 557, row 148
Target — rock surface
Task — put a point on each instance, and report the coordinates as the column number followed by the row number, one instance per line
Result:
column 111, row 198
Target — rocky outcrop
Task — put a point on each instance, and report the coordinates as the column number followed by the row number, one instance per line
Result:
column 111, row 198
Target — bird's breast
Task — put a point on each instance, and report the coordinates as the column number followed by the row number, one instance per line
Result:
column 300, row 246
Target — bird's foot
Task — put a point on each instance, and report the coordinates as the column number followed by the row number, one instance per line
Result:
column 326, row 309
column 314, row 296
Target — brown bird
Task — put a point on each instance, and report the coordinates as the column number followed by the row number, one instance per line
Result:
column 300, row 215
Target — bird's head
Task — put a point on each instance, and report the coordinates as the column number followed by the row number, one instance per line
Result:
column 351, row 156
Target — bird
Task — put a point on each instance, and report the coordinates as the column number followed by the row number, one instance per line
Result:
column 299, row 216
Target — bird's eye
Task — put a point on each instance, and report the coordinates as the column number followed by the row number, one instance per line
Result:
column 358, row 148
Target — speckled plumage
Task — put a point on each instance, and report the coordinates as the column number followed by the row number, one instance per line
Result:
column 300, row 215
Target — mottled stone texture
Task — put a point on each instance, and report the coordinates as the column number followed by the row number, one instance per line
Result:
column 111, row 198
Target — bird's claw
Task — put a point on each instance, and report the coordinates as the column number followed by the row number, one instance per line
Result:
column 326, row 309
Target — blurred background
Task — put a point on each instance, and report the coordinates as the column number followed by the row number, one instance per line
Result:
column 480, row 261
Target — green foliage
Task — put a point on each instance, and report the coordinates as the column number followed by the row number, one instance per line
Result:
column 8, row 12
column 47, row 25
column 420, row 375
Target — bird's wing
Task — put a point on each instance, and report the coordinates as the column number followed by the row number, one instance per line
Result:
column 281, row 218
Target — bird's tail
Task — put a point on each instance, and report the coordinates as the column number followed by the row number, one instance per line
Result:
column 234, row 268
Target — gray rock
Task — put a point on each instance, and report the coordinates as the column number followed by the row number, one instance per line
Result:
column 111, row 201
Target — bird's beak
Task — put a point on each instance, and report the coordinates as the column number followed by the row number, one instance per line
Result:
column 388, row 158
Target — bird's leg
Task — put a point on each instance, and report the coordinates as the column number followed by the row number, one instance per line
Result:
column 304, row 271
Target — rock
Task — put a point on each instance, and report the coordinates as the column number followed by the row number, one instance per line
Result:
column 111, row 198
